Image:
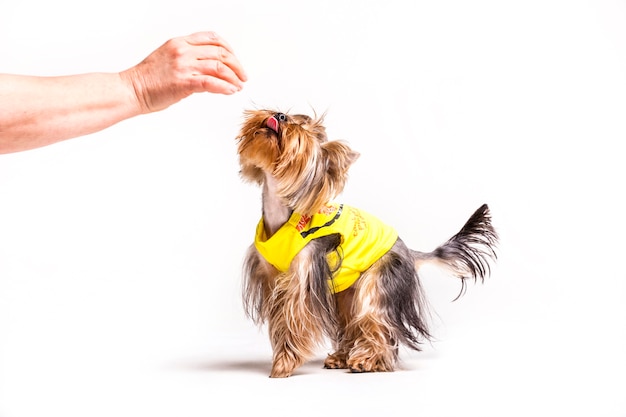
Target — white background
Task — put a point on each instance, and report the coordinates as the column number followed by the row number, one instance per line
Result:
column 120, row 252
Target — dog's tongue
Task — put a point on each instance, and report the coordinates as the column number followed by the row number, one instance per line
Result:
column 272, row 123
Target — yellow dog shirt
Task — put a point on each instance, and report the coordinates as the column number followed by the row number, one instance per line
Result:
column 364, row 239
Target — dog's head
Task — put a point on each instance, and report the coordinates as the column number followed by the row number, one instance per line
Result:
column 308, row 169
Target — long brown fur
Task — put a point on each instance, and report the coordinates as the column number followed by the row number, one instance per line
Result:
column 300, row 171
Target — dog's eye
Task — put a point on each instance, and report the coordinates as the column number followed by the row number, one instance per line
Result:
column 281, row 117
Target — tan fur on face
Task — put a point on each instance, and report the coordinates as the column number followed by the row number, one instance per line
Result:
column 309, row 169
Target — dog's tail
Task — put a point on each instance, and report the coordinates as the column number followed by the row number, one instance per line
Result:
column 467, row 254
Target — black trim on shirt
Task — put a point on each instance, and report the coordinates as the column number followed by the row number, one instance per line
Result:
column 305, row 233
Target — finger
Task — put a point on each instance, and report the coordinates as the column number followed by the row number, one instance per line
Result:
column 216, row 53
column 207, row 83
column 218, row 69
column 208, row 38
column 214, row 47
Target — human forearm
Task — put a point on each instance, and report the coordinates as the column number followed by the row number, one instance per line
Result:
column 38, row 111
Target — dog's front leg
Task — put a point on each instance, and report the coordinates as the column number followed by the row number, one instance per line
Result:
column 295, row 324
column 289, row 334
column 289, row 345
column 286, row 357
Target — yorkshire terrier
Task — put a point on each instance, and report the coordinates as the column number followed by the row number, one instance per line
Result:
column 321, row 270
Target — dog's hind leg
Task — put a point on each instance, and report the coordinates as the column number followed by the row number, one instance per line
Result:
column 389, row 310
column 372, row 345
column 368, row 341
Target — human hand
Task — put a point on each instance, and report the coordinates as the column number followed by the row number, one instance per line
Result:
column 200, row 62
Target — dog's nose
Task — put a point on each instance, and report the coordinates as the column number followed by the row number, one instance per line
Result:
column 273, row 121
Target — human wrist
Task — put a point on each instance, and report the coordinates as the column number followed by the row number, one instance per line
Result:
column 135, row 91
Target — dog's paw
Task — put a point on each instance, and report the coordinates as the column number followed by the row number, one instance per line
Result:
column 280, row 371
column 335, row 361
column 280, row 374
column 284, row 364
column 375, row 364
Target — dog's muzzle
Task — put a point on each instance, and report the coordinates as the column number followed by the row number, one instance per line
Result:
column 274, row 121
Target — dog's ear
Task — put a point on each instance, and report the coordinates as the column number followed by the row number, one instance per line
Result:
column 339, row 157
column 325, row 178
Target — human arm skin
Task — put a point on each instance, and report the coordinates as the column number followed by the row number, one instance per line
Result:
column 39, row 111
